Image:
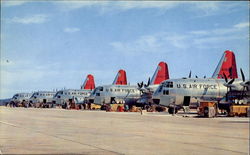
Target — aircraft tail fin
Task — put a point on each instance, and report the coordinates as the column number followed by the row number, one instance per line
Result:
column 161, row 74
column 121, row 78
column 89, row 83
column 227, row 65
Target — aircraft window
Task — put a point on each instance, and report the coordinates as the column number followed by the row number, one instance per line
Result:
column 107, row 90
column 101, row 89
column 168, row 84
column 97, row 94
column 165, row 92
column 94, row 91
column 160, row 88
column 111, row 89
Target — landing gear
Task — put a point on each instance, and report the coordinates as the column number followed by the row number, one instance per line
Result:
column 172, row 110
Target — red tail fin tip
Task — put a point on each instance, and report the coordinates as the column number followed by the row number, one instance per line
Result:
column 160, row 74
column 89, row 83
column 121, row 78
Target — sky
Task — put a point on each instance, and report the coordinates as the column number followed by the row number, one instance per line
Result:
column 49, row 45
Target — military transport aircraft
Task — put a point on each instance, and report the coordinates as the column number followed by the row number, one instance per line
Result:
column 176, row 93
column 118, row 91
column 161, row 73
column 20, row 98
column 42, row 99
column 78, row 95
column 128, row 93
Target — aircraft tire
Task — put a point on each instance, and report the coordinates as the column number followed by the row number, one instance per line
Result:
column 206, row 111
column 171, row 110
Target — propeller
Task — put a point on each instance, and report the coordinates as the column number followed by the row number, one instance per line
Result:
column 146, row 85
column 242, row 75
column 245, row 84
column 190, row 73
column 140, row 85
column 228, row 84
column 225, row 77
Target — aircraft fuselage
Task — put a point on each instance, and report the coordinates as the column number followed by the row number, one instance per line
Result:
column 183, row 91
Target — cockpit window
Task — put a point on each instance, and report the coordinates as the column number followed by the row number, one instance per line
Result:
column 94, row 91
column 60, row 92
column 34, row 94
column 101, row 88
column 160, row 88
column 168, row 84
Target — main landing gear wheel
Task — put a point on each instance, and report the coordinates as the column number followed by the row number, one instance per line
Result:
column 172, row 110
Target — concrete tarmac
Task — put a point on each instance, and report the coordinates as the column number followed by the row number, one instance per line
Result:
column 58, row 131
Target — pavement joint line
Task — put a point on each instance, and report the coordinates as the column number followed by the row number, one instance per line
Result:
column 59, row 138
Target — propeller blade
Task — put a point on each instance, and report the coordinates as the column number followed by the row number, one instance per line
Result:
column 190, row 73
column 148, row 82
column 231, row 81
column 242, row 75
column 225, row 77
column 138, row 84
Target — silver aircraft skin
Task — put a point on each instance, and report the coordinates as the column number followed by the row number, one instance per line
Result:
column 114, row 93
column 78, row 95
column 42, row 97
column 21, row 97
column 180, row 92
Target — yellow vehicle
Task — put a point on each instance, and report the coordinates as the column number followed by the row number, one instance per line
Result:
column 239, row 110
column 207, row 109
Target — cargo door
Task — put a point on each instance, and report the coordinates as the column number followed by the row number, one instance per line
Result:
column 186, row 101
